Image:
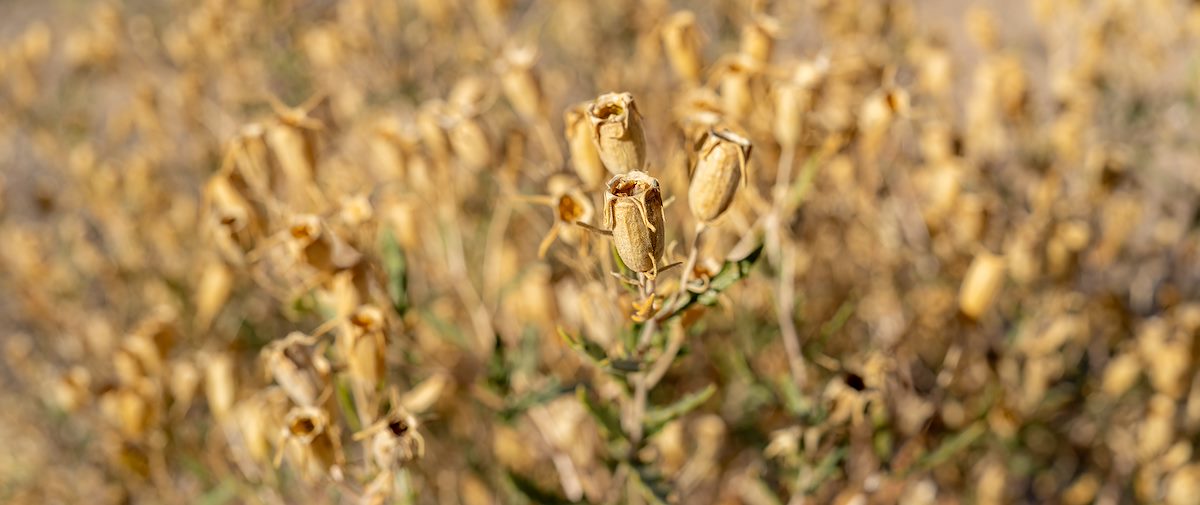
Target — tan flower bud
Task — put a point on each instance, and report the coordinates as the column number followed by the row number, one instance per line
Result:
column 617, row 131
column 682, row 42
column 633, row 210
column 585, row 159
column 721, row 163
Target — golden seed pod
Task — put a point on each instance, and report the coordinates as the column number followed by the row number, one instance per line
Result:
column 721, row 163
column 791, row 102
column 981, row 284
column 617, row 132
column 469, row 141
column 585, row 158
column 758, row 38
column 289, row 361
column 220, row 385
column 519, row 83
column 681, row 40
column 735, row 76
column 633, row 210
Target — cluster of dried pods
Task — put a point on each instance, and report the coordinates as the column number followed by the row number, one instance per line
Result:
column 959, row 267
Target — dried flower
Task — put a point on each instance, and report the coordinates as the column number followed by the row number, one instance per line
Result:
column 617, row 132
column 633, row 211
column 720, row 165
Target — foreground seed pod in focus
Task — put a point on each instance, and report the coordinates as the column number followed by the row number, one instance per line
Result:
column 617, row 132
column 720, row 164
column 633, row 210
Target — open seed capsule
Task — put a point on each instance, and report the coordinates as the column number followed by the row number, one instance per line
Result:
column 633, row 210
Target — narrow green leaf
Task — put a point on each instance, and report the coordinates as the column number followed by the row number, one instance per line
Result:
column 395, row 265
column 604, row 414
column 953, row 445
column 649, row 480
column 658, row 417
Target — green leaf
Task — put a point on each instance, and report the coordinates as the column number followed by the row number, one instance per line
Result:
column 608, row 418
column 395, row 265
column 952, row 446
column 346, row 403
column 731, row 272
column 824, row 470
column 658, row 417
column 519, row 404
column 585, row 347
column 649, row 480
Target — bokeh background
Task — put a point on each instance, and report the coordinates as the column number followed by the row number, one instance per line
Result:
column 986, row 248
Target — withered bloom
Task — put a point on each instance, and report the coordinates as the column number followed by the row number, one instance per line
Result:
column 633, row 210
column 720, row 164
column 617, row 132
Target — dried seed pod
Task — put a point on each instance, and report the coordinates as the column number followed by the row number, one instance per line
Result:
column 758, row 38
column 981, row 284
column 617, row 132
column 319, row 247
column 520, row 84
column 291, row 362
column 736, row 73
column 585, row 159
column 633, row 210
column 220, row 386
column 366, row 345
column 714, row 180
column 397, row 441
column 318, row 446
column 216, row 281
column 682, row 42
column 468, row 140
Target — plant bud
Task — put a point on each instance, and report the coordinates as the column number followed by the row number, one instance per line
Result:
column 585, row 159
column 721, row 163
column 617, row 132
column 633, row 210
column 682, row 42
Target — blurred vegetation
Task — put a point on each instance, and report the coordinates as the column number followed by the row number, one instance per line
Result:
column 379, row 251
